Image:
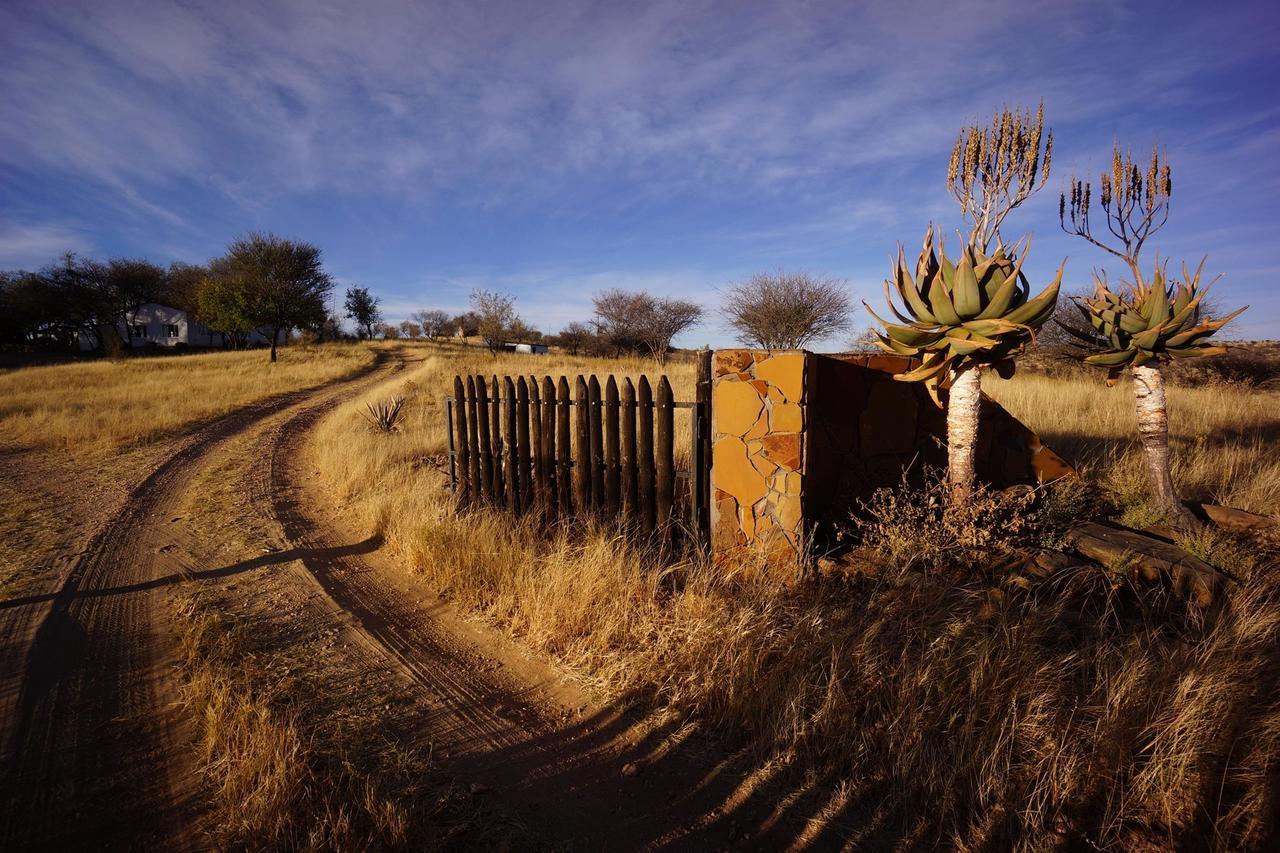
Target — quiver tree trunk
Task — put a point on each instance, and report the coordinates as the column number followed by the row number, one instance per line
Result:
column 1153, row 429
column 963, row 406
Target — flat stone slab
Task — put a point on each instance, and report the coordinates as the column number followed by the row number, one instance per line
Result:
column 1236, row 520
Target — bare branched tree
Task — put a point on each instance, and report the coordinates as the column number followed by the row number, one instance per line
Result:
column 635, row 321
column 619, row 314
column 783, row 310
column 669, row 318
column 435, row 323
column 495, row 316
column 574, row 337
column 995, row 169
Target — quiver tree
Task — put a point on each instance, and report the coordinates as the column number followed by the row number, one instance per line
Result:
column 1146, row 321
column 962, row 316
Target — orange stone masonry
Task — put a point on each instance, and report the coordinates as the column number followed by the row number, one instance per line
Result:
column 758, row 445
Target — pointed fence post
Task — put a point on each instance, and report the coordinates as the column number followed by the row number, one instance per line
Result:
column 627, row 452
column 510, row 445
column 537, row 471
column 522, row 444
column 548, row 450
column 495, row 439
column 594, row 411
column 473, row 438
column 486, row 440
column 563, row 458
column 582, row 447
column 644, row 455
column 664, row 451
column 611, row 447
column 462, row 447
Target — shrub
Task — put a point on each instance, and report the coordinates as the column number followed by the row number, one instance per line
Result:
column 921, row 527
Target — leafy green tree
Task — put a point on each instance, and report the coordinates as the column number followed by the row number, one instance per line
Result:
column 282, row 283
column 182, row 284
column 124, row 286
column 67, row 301
column 362, row 307
column 222, row 305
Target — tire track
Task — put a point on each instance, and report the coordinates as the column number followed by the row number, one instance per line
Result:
column 95, row 753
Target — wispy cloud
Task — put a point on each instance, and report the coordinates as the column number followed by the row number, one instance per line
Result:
column 31, row 246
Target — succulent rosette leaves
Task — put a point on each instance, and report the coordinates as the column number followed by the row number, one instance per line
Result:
column 1151, row 322
column 977, row 310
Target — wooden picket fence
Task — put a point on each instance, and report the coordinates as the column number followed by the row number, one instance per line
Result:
column 605, row 450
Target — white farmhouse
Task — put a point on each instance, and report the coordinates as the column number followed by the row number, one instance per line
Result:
column 163, row 325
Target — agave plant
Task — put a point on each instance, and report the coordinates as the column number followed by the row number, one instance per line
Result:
column 1149, row 323
column 1146, row 323
column 958, row 318
column 384, row 415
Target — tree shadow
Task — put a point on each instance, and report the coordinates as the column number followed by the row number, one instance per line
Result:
column 274, row 558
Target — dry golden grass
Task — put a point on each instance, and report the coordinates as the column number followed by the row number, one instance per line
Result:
column 1223, row 436
column 1087, row 711
column 102, row 405
column 282, row 778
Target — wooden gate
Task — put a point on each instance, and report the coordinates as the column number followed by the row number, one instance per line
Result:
column 530, row 444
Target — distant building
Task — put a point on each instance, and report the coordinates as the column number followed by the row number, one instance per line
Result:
column 165, row 326
column 528, row 349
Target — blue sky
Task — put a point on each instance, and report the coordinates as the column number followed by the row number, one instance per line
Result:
column 554, row 149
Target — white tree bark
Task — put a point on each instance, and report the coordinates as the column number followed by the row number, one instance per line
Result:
column 963, row 406
column 1153, row 429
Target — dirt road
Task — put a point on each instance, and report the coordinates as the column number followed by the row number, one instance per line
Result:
column 98, row 751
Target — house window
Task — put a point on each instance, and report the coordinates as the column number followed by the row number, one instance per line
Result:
column 139, row 330
column 172, row 329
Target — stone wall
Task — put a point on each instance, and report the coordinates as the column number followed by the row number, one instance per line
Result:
column 798, row 439
column 758, row 451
